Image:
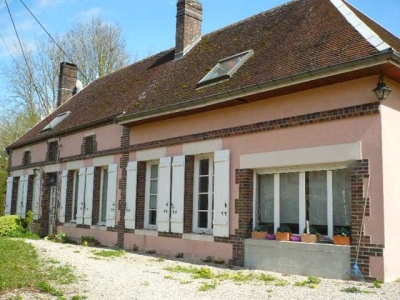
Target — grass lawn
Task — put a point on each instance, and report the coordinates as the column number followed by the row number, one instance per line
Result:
column 21, row 268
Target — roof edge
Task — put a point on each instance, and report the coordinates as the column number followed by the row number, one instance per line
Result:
column 371, row 36
column 368, row 61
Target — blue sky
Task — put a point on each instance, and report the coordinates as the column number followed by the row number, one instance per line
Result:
column 149, row 26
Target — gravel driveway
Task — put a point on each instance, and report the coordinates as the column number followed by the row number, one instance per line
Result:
column 143, row 276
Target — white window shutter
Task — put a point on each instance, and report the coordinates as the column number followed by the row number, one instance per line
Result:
column 164, row 194
column 178, row 194
column 36, row 197
column 81, row 196
column 10, row 181
column 112, row 195
column 20, row 195
column 221, row 193
column 87, row 214
column 63, row 203
column 131, row 185
column 24, row 196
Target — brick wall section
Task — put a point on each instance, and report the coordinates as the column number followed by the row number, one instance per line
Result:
column 26, row 158
column 367, row 250
column 96, row 195
column 14, row 198
column 44, row 218
column 89, row 145
column 29, row 197
column 140, row 194
column 120, row 227
column 294, row 121
column 188, row 202
column 52, row 152
column 70, row 197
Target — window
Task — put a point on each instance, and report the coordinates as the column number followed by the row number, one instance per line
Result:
column 52, row 151
column 323, row 197
column 75, row 196
column 203, row 194
column 103, row 196
column 26, row 159
column 226, row 68
column 151, row 195
column 57, row 120
column 89, row 145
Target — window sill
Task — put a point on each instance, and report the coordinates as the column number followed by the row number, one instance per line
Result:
column 70, row 225
column 98, row 227
column 198, row 237
column 318, row 247
column 146, row 232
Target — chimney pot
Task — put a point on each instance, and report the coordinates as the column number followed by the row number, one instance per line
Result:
column 188, row 25
column 66, row 82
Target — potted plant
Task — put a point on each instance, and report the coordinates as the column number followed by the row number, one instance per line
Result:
column 310, row 235
column 283, row 233
column 342, row 236
column 260, row 232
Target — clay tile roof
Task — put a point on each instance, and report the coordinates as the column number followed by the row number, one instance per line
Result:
column 297, row 37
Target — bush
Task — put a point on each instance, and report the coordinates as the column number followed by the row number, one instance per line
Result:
column 22, row 233
column 9, row 223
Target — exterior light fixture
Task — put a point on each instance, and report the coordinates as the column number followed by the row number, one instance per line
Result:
column 382, row 91
column 36, row 172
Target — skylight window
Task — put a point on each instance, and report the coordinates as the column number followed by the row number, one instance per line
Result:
column 226, row 68
column 57, row 120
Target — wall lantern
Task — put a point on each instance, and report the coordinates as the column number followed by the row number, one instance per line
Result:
column 382, row 91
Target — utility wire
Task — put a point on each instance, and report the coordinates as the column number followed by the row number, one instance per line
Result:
column 5, row 44
column 26, row 60
column 55, row 42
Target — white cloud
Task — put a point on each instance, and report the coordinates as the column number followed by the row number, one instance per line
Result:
column 49, row 3
column 87, row 15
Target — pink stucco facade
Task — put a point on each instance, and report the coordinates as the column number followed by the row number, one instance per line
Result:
column 380, row 144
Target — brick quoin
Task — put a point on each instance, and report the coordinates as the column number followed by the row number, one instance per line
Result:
column 188, row 197
column 70, row 196
column 14, row 198
column 30, row 193
column 140, row 194
column 44, row 218
column 96, row 195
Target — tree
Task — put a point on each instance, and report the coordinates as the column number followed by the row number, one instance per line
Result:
column 97, row 47
column 11, row 128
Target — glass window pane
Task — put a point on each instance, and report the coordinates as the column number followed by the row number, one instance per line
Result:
column 203, row 202
column 317, row 201
column 153, row 202
column 153, row 186
column 203, row 185
column 76, row 195
column 342, row 198
column 154, row 172
column 266, row 208
column 104, row 196
column 203, row 220
column 153, row 217
column 224, row 67
column 289, row 201
column 204, row 165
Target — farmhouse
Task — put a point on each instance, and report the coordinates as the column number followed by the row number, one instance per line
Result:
column 269, row 121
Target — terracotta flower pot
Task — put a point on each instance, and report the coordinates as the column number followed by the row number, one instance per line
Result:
column 259, row 235
column 309, row 238
column 341, row 240
column 283, row 236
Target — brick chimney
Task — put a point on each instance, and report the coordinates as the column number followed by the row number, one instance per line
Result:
column 66, row 82
column 188, row 25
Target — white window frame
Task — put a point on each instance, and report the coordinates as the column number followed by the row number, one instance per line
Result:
column 147, row 195
column 74, row 196
column 302, row 193
column 103, row 169
column 209, row 229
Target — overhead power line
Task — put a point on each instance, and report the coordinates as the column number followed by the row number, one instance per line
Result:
column 26, row 60
column 55, row 42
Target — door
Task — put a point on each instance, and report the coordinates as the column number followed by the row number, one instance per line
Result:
column 53, row 210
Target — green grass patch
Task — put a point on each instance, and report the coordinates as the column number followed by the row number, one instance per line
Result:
column 160, row 259
column 186, row 281
column 109, row 253
column 169, row 277
column 63, row 275
column 282, row 282
column 355, row 290
column 20, row 268
column 207, row 286
column 77, row 251
column 377, row 284
column 311, row 282
column 145, row 283
column 197, row 273
column 79, row 297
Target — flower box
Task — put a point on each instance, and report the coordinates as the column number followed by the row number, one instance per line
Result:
column 259, row 235
column 341, row 240
column 283, row 236
column 309, row 238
